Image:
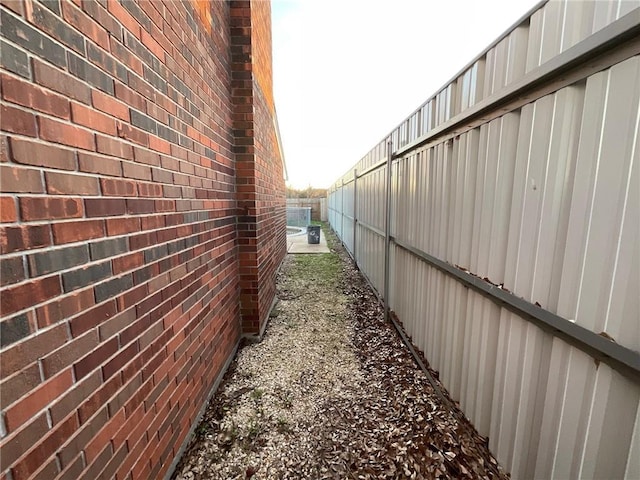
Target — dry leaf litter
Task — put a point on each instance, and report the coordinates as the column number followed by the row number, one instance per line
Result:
column 331, row 392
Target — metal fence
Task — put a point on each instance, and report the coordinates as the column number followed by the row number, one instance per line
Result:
column 298, row 216
column 318, row 206
column 507, row 208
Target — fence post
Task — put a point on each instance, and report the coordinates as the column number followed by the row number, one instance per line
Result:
column 387, row 230
column 355, row 212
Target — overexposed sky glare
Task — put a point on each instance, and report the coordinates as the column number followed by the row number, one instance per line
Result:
column 347, row 72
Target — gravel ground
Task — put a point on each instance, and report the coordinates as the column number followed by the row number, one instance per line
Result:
column 331, row 392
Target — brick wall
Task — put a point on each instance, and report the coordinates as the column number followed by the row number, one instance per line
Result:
column 260, row 176
column 139, row 216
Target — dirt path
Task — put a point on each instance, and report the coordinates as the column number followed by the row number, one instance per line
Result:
column 331, row 392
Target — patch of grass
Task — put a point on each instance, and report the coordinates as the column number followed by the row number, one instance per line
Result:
column 331, row 238
column 321, row 269
column 257, row 394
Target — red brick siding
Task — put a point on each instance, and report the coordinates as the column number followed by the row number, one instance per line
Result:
column 270, row 186
column 271, row 205
column 130, row 188
column 260, row 176
column 261, row 49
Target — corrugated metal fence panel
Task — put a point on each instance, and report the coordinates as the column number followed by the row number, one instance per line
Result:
column 331, row 212
column 335, row 209
column 348, row 215
column 371, row 198
column 599, row 282
column 544, row 201
column 318, row 206
column 371, row 220
column 370, row 256
column 603, row 225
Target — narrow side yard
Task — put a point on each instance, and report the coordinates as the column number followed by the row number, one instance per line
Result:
column 331, row 392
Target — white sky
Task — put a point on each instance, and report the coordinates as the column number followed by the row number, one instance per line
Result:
column 347, row 72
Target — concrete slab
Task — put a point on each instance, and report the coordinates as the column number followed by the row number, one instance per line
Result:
column 298, row 244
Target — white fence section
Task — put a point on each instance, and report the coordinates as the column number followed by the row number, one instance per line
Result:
column 515, row 238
